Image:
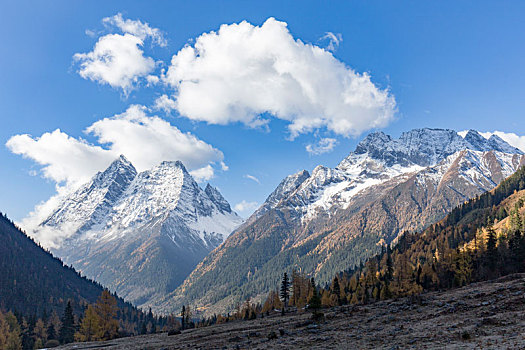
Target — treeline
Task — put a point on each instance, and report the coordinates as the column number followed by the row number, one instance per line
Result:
column 45, row 302
column 482, row 239
column 102, row 320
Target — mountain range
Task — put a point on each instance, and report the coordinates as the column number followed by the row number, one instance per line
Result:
column 140, row 234
column 334, row 218
column 159, row 240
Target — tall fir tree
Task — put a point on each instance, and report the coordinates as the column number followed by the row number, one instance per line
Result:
column 285, row 291
column 183, row 317
column 67, row 331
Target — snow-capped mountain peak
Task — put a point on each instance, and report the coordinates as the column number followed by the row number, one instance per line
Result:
column 217, row 198
column 119, row 199
column 377, row 159
column 139, row 233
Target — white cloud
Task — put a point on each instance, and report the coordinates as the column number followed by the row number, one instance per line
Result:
column 253, row 178
column 64, row 158
column 245, row 208
column 152, row 80
column 90, row 33
column 144, row 140
column 243, row 71
column 116, row 60
column 164, row 103
column 203, row 174
column 136, row 28
column 510, row 137
column 324, row 145
column 334, row 39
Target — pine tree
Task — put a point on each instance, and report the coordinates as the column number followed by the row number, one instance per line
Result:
column 336, row 290
column 188, row 316
column 183, row 317
column 285, row 291
column 314, row 303
column 492, row 252
column 67, row 331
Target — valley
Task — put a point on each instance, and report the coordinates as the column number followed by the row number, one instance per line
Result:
column 486, row 315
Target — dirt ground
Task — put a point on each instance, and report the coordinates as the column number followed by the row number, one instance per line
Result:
column 488, row 315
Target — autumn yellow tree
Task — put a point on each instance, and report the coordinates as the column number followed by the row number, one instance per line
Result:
column 40, row 332
column 89, row 327
column 272, row 302
column 9, row 332
column 106, row 309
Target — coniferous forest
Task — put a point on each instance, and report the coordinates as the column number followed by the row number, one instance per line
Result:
column 479, row 240
column 44, row 303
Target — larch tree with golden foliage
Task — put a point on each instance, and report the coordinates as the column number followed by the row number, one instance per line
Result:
column 90, row 326
column 106, row 309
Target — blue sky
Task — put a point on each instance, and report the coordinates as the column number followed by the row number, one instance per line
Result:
column 445, row 64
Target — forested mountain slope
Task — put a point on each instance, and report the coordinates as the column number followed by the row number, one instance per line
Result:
column 335, row 218
column 32, row 280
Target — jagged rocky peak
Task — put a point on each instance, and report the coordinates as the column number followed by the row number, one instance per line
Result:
column 287, row 186
column 120, row 169
column 498, row 144
column 217, row 198
column 425, row 147
column 477, row 140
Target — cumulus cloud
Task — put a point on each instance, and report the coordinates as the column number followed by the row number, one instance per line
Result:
column 333, row 39
column 511, row 138
column 148, row 140
column 253, row 178
column 144, row 140
column 116, row 60
column 245, row 208
column 136, row 28
column 324, row 145
column 203, row 174
column 164, row 103
column 242, row 72
column 64, row 158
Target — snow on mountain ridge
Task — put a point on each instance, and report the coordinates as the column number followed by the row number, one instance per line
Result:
column 379, row 158
column 118, row 200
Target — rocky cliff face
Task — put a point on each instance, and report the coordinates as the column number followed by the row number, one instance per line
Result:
column 333, row 218
column 142, row 233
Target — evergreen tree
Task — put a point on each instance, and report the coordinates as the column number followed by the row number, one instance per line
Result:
column 314, row 303
column 285, row 291
column 188, row 315
column 51, row 332
column 336, row 290
column 492, row 252
column 183, row 317
column 67, row 332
